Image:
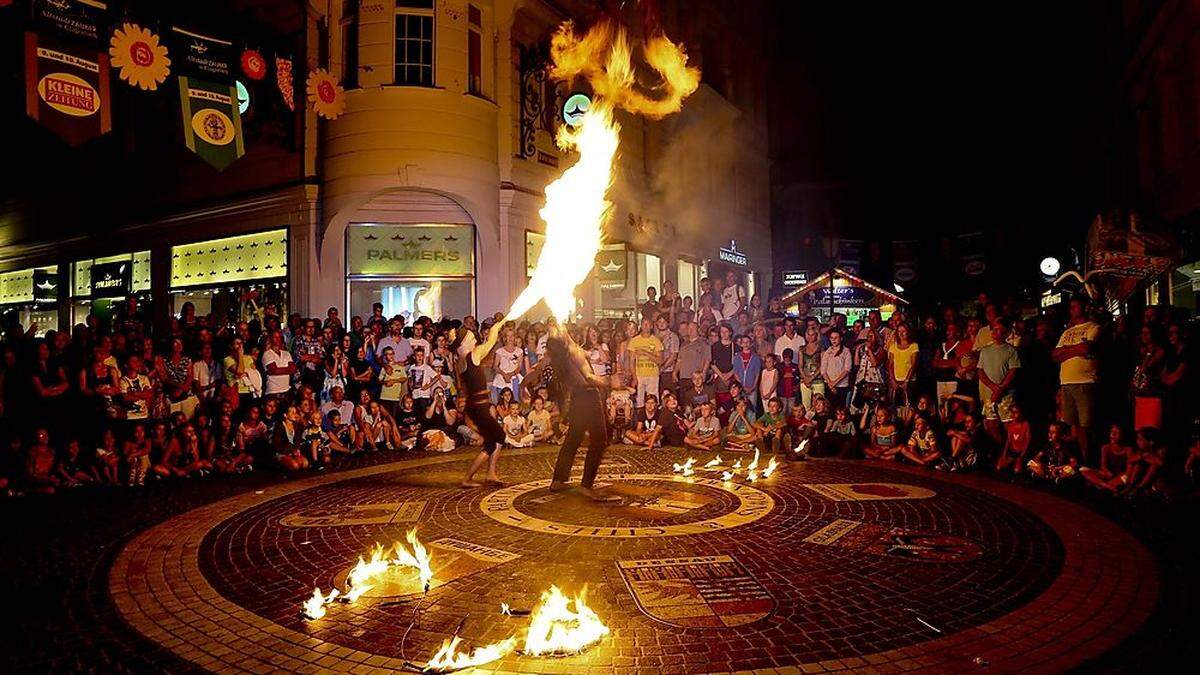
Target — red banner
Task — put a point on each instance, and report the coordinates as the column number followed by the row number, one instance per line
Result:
column 67, row 88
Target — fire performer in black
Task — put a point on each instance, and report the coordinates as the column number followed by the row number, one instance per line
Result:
column 475, row 390
column 585, row 413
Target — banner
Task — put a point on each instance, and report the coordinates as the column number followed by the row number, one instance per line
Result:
column 411, row 250
column 904, row 260
column 849, row 255
column 611, row 267
column 66, row 88
column 138, row 57
column 254, row 65
column 79, row 20
column 284, row 81
column 202, row 56
column 971, row 248
column 112, row 279
column 212, row 125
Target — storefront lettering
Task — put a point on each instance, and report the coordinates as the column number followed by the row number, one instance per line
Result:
column 732, row 255
column 441, row 255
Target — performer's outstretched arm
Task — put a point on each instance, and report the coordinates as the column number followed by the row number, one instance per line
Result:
column 481, row 350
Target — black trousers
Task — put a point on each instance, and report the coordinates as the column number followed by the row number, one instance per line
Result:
column 489, row 428
column 586, row 415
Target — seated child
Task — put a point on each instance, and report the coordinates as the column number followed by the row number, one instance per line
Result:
column 922, row 447
column 968, row 443
column 695, row 393
column 740, row 433
column 1145, row 464
column 408, row 423
column 645, row 430
column 841, row 436
column 315, row 441
column 253, row 438
column 800, row 429
column 725, row 406
column 108, row 459
column 516, row 428
column 1017, row 437
column 71, row 470
column 620, row 412
column 136, row 451
column 340, row 435
column 541, row 423
column 1111, row 475
column 673, row 424
column 39, row 465
column 1059, row 458
column 705, row 434
column 771, row 427
column 883, row 439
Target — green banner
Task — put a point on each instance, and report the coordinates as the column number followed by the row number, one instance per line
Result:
column 212, row 125
column 411, row 250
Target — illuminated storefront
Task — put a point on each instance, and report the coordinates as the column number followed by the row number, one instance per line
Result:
column 235, row 278
column 99, row 284
column 842, row 292
column 33, row 294
column 423, row 269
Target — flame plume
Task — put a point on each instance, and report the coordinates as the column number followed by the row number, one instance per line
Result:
column 448, row 658
column 577, row 205
column 555, row 628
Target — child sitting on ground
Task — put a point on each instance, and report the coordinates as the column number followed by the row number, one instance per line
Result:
column 1058, row 459
column 645, row 430
column 136, row 451
column 314, row 442
column 922, row 447
column 108, row 458
column 1017, row 437
column 70, row 469
column 620, row 412
column 705, row 434
column 841, row 437
column 1111, row 475
column 1146, row 463
column 883, row 441
column 740, row 434
column 771, row 427
column 800, row 430
column 968, row 443
column 674, row 425
column 541, row 423
column 516, row 428
column 39, row 465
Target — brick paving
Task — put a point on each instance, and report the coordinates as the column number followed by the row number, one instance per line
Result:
column 846, row 569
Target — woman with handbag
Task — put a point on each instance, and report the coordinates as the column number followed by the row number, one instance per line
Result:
column 869, row 355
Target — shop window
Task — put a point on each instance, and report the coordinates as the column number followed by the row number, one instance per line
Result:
column 534, row 241
column 81, row 273
column 231, row 260
column 1185, row 283
column 33, row 294
column 688, row 282
column 649, row 274
column 413, row 270
column 414, row 43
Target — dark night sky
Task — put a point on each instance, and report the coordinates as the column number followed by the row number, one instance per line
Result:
column 936, row 118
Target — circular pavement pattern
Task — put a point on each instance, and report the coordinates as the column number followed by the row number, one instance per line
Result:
column 826, row 565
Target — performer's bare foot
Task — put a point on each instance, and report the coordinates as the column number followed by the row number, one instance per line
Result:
column 493, row 481
column 559, row 486
column 598, row 496
column 470, row 484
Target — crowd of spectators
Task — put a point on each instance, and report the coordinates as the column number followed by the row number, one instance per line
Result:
column 1094, row 400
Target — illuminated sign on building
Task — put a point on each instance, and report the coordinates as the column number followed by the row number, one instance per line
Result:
column 732, row 255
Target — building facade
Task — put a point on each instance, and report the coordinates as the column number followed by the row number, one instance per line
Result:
column 423, row 194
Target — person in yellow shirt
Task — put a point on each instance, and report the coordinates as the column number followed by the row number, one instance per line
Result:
column 647, row 352
column 902, row 361
column 241, row 373
column 1077, row 372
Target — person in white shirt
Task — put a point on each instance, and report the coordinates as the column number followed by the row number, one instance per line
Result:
column 418, row 339
column 836, row 362
column 789, row 340
column 733, row 296
column 337, row 401
column 422, row 379
column 279, row 366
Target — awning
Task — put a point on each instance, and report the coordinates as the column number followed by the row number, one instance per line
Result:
column 849, row 290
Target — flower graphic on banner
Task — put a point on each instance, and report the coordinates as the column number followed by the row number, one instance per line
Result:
column 136, row 52
column 254, row 65
column 327, row 97
column 283, row 79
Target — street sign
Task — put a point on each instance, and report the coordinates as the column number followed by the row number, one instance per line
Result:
column 795, row 278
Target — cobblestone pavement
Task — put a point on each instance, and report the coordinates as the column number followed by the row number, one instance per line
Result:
column 827, row 565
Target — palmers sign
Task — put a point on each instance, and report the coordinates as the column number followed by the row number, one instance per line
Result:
column 410, row 250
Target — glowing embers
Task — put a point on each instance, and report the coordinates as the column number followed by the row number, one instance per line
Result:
column 367, row 572
column 752, row 471
column 560, row 625
column 686, row 468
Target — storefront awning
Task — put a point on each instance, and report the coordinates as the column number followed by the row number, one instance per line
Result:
column 849, row 290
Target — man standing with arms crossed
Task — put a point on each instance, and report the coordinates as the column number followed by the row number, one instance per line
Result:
column 1074, row 355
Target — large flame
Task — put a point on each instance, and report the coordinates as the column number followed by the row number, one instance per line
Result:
column 577, row 205
column 556, row 628
column 314, row 607
column 368, row 570
column 448, row 658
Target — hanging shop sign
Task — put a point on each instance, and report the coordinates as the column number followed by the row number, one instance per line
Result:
column 138, row 57
column 1051, row 299
column 254, row 65
column 732, row 255
column 574, row 108
column 78, row 20
column 212, row 125
column 112, row 279
column 845, row 296
column 45, row 285
column 971, row 248
column 246, row 257
column 795, row 278
column 284, row 81
column 411, row 250
column 612, row 266
column 243, row 97
column 325, row 95
column 203, row 56
column 139, row 265
column 66, row 88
